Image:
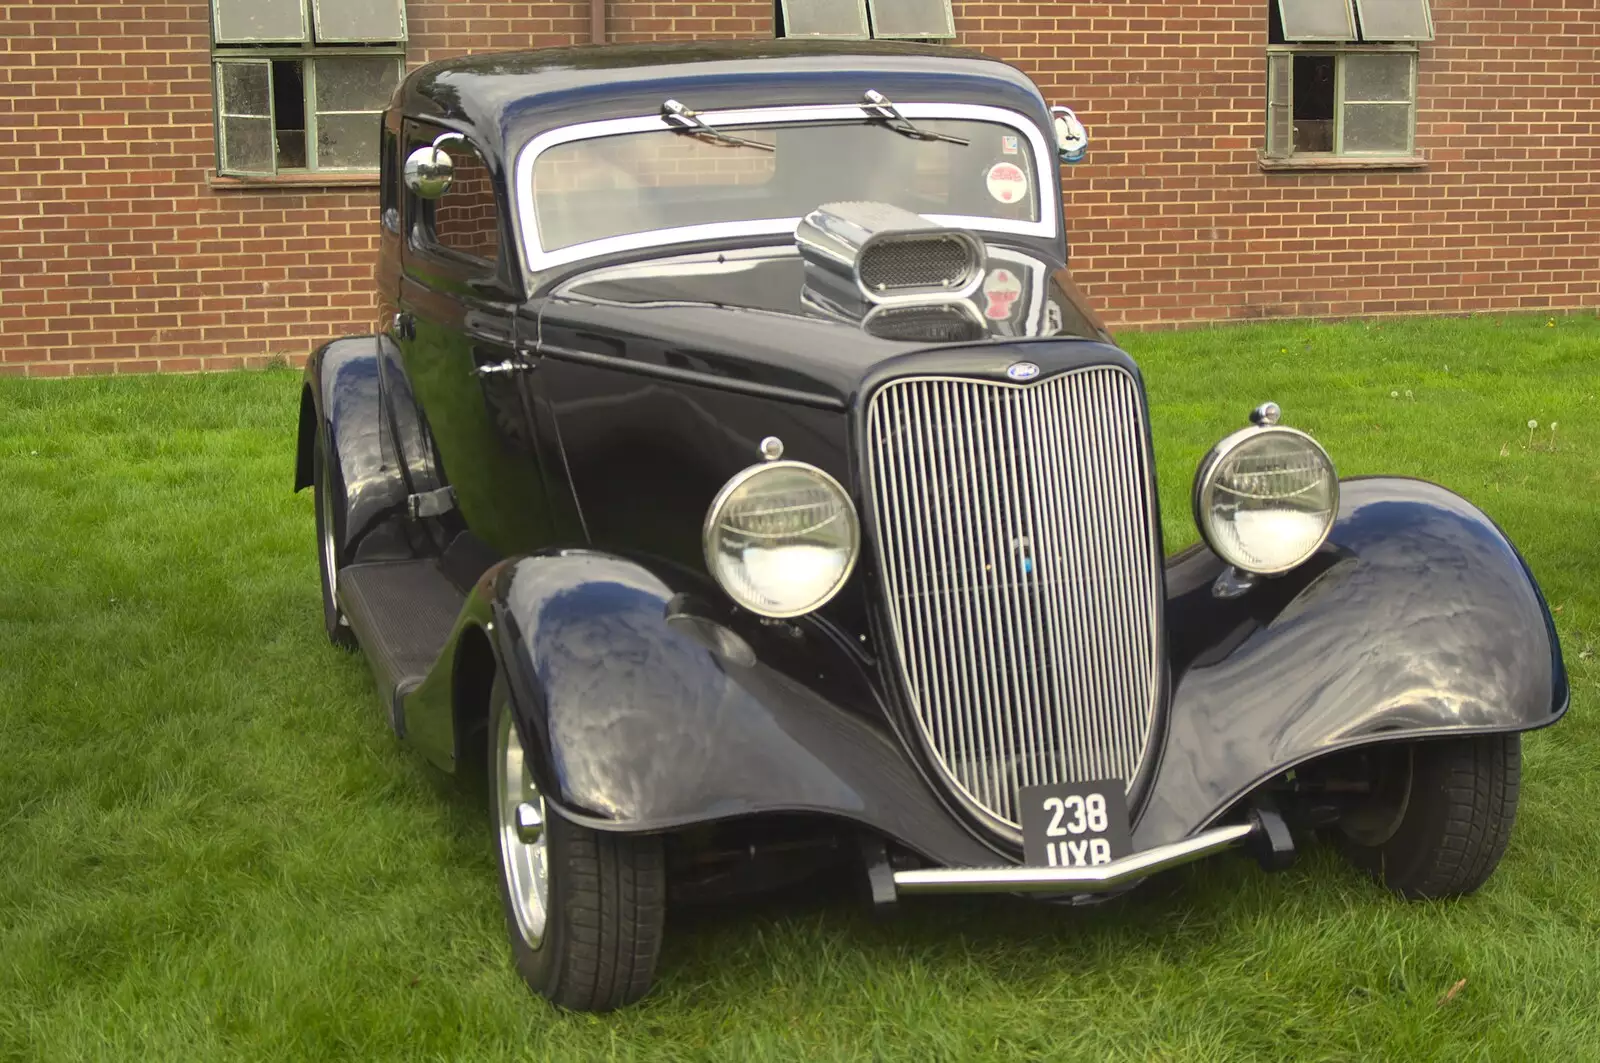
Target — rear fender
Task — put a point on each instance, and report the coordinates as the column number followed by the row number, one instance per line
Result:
column 343, row 397
column 1418, row 619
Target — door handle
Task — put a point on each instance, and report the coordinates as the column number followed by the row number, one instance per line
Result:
column 505, row 368
column 405, row 326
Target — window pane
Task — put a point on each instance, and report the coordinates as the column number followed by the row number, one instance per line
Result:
column 245, row 87
column 248, row 21
column 1280, row 105
column 289, row 112
column 360, row 20
column 348, row 141
column 1317, row 20
column 464, row 218
column 1395, row 20
column 912, row 18
column 247, row 146
column 1313, row 102
column 1377, row 77
column 1377, row 127
column 824, row 18
column 355, row 84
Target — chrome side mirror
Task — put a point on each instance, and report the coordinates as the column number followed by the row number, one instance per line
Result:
column 429, row 170
column 1072, row 140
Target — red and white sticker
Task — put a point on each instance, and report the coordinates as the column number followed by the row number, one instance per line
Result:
column 1007, row 183
column 1002, row 289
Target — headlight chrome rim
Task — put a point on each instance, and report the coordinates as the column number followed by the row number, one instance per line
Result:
column 715, row 512
column 1205, row 487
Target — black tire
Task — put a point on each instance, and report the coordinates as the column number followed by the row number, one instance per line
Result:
column 606, row 904
column 1455, row 820
column 328, row 489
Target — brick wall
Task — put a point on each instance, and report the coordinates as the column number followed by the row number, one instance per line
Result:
column 1172, row 219
column 116, row 254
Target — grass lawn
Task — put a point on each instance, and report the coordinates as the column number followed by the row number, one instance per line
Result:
column 212, row 848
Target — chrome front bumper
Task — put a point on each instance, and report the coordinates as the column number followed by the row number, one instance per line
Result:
column 1097, row 879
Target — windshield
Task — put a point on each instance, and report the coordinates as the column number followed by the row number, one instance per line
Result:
column 602, row 187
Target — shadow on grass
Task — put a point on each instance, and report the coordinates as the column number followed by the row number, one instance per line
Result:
column 1185, row 913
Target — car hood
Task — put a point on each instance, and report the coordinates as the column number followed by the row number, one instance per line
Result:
column 745, row 320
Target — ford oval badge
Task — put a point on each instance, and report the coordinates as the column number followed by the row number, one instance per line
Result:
column 1023, row 371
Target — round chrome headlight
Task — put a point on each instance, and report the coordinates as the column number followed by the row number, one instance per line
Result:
column 1265, row 499
column 781, row 538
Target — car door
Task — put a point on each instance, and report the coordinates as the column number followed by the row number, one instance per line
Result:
column 456, row 329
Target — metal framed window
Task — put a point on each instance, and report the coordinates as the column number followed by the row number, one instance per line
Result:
column 258, row 21
column 1361, row 101
column 1395, row 20
column 1337, row 20
column 359, row 21
column 864, row 19
column 920, row 19
column 825, row 19
column 1317, row 20
column 301, row 84
column 1342, row 78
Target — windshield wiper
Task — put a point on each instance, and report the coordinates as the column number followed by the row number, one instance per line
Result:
column 877, row 105
column 689, row 121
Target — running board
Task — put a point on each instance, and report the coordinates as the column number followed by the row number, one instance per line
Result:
column 1100, row 878
column 402, row 613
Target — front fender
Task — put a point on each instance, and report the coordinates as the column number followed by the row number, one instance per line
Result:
column 343, row 397
column 638, row 725
column 1418, row 619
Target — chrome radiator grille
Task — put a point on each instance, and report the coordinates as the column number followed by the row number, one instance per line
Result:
column 1018, row 549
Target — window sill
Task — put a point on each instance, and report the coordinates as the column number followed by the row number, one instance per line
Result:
column 1342, row 162
column 293, row 180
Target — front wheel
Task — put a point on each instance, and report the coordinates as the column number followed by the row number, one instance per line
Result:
column 584, row 908
column 1440, row 815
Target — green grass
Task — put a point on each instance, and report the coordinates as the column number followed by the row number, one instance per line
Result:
column 211, row 847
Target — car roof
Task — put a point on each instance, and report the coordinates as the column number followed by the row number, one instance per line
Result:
column 503, row 99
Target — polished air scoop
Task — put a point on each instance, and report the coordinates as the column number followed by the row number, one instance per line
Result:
column 876, row 253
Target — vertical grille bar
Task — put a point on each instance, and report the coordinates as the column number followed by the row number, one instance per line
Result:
column 1017, row 543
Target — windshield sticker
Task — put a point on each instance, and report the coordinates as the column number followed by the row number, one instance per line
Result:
column 1001, row 288
column 1008, row 145
column 1007, row 183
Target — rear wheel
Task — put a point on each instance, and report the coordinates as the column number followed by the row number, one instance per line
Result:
column 1439, row 815
column 584, row 908
column 328, row 490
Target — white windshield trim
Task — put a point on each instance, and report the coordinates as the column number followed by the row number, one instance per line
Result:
column 537, row 259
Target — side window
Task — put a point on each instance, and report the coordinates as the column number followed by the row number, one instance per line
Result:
column 464, row 223
column 388, row 179
column 465, row 219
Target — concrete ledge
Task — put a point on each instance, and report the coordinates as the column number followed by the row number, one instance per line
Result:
column 221, row 183
column 1298, row 163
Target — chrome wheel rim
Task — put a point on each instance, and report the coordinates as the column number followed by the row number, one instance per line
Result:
column 330, row 552
column 524, row 849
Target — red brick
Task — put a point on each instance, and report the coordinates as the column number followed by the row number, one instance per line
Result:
column 117, row 256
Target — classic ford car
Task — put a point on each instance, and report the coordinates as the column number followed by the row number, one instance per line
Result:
column 737, row 486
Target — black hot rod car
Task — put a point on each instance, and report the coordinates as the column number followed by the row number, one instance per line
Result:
column 738, row 485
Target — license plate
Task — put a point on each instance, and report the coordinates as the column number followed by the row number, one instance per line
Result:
column 1074, row 824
